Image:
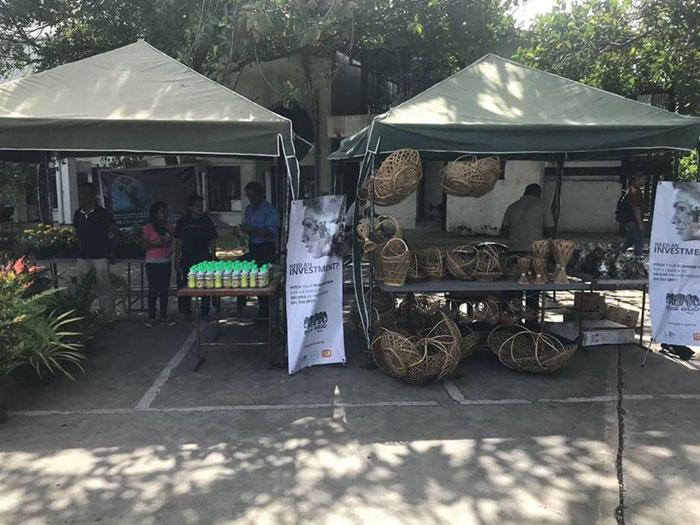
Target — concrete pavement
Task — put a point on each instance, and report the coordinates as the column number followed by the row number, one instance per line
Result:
column 143, row 439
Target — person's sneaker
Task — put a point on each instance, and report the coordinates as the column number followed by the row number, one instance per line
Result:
column 150, row 323
column 167, row 322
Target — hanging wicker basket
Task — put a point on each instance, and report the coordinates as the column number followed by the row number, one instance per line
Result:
column 528, row 351
column 397, row 177
column 470, row 177
column 395, row 260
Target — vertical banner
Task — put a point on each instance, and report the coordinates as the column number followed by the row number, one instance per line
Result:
column 315, row 282
column 674, row 264
column 129, row 193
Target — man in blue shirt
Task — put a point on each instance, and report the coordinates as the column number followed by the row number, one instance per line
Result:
column 261, row 223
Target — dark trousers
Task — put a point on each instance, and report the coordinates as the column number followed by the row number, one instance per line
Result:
column 158, row 283
column 264, row 253
column 184, row 304
column 633, row 237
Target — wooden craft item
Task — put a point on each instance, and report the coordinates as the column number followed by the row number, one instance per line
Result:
column 563, row 250
column 524, row 264
column 540, row 266
column 540, row 249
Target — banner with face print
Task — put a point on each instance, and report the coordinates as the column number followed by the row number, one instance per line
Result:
column 674, row 264
column 315, row 282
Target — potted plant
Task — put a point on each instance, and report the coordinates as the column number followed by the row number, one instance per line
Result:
column 32, row 337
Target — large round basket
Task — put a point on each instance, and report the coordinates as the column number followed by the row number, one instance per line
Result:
column 397, row 177
column 395, row 260
column 500, row 335
column 419, row 358
column 528, row 351
column 430, row 263
column 477, row 261
column 470, row 177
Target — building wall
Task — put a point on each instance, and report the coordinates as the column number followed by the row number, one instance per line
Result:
column 265, row 85
column 470, row 216
column 587, row 205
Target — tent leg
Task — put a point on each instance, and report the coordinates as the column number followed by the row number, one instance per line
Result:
column 556, row 202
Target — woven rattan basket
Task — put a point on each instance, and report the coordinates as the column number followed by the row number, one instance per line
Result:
column 419, row 359
column 470, row 177
column 470, row 341
column 386, row 228
column 431, row 263
column 477, row 261
column 397, row 177
column 414, row 274
column 395, row 260
column 527, row 351
column 417, row 313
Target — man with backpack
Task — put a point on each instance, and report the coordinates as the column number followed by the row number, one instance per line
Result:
column 630, row 212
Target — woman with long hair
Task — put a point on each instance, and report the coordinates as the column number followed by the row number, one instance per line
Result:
column 157, row 239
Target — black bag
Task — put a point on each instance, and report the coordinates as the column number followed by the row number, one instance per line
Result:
column 621, row 211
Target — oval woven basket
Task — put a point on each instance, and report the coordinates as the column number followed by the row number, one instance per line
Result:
column 468, row 176
column 395, row 259
column 414, row 274
column 397, row 177
column 528, row 351
column 416, row 314
column 477, row 261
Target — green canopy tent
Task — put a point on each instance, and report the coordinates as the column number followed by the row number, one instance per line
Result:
column 136, row 99
column 496, row 106
column 499, row 107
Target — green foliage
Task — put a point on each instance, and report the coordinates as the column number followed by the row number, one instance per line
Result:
column 14, row 177
column 688, row 168
column 624, row 46
column 30, row 334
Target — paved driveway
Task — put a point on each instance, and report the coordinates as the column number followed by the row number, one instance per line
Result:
column 143, row 439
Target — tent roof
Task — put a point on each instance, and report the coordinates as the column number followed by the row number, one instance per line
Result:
column 499, row 106
column 135, row 99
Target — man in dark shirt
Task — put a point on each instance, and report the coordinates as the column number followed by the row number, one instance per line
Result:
column 632, row 216
column 195, row 241
column 96, row 230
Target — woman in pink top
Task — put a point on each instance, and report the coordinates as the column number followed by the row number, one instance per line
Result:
column 157, row 240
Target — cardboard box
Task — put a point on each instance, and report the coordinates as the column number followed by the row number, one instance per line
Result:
column 623, row 316
column 573, row 317
column 589, row 302
column 595, row 332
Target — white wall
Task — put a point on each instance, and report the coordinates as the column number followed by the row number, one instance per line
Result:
column 404, row 211
column 484, row 215
column 587, row 204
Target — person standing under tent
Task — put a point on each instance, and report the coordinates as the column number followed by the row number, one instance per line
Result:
column 96, row 232
column 157, row 239
column 261, row 224
column 630, row 212
column 195, row 241
column 527, row 219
